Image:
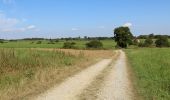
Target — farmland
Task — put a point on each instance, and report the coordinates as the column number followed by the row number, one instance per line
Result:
column 84, row 50
column 80, row 44
column 151, row 67
column 30, row 67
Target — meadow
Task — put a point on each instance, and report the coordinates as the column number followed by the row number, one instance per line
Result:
column 151, row 68
column 28, row 72
column 80, row 44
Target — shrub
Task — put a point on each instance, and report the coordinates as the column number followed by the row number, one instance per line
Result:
column 141, row 44
column 39, row 42
column 162, row 41
column 13, row 40
column 136, row 41
column 148, row 42
column 51, row 42
column 1, row 41
column 57, row 41
column 32, row 42
column 69, row 45
column 94, row 44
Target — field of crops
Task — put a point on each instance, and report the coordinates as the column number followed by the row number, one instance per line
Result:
column 80, row 44
column 151, row 67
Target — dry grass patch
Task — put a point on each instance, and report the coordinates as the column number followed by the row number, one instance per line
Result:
column 25, row 73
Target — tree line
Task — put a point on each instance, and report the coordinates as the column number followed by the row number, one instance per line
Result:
column 124, row 37
column 151, row 36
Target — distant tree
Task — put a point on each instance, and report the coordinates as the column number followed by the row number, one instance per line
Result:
column 94, row 44
column 123, row 36
column 162, row 41
column 136, row 41
column 148, row 42
column 69, row 45
column 141, row 44
column 51, row 42
column 57, row 40
column 85, row 37
column 1, row 41
column 142, row 37
column 151, row 36
column 39, row 42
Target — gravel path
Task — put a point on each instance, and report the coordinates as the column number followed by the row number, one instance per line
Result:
column 73, row 86
column 117, row 85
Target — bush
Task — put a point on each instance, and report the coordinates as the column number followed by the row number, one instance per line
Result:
column 162, row 41
column 141, row 44
column 136, row 42
column 69, row 45
column 51, row 42
column 39, row 42
column 94, row 44
column 13, row 40
column 148, row 42
column 57, row 41
column 1, row 41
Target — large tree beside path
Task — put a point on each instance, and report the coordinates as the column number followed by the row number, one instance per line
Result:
column 123, row 36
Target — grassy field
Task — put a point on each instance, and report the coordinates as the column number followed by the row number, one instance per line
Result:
column 80, row 44
column 27, row 72
column 151, row 67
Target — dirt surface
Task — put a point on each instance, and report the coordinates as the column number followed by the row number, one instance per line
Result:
column 113, row 77
column 117, row 85
column 73, row 86
column 91, row 92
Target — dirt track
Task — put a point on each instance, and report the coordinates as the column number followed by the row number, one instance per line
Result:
column 115, row 86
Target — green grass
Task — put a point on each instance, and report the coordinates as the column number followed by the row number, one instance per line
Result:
column 80, row 44
column 151, row 67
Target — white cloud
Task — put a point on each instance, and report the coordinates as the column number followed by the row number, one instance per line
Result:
column 31, row 27
column 74, row 29
column 7, row 22
column 127, row 24
column 22, row 29
column 11, row 25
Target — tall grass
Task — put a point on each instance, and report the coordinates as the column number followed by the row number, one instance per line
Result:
column 152, row 70
column 19, row 68
column 25, row 73
column 12, row 60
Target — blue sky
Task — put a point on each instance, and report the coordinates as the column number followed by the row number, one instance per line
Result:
column 73, row 18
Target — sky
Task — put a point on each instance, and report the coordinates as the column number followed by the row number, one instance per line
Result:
column 73, row 18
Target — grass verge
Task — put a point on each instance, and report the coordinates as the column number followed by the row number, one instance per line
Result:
column 151, row 67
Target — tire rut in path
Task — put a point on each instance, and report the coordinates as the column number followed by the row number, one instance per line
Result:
column 90, row 93
column 117, row 85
